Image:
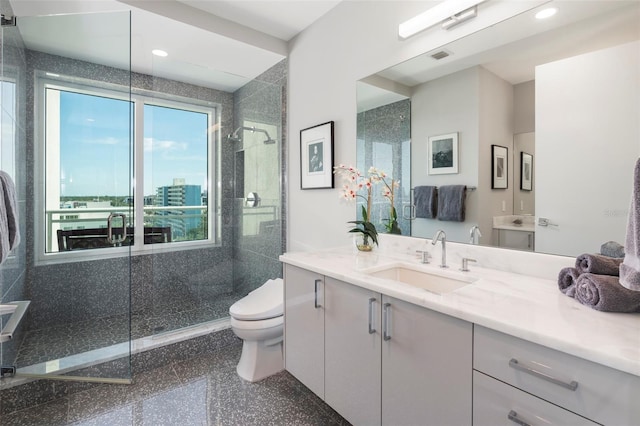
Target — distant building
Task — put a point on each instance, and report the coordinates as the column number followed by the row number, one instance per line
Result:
column 178, row 195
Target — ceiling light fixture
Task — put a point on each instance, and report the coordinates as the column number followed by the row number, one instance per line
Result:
column 546, row 13
column 159, row 52
column 447, row 10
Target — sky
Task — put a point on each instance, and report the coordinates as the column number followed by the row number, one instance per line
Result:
column 94, row 152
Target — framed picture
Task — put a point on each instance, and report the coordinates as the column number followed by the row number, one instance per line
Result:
column 443, row 154
column 526, row 171
column 499, row 166
column 316, row 156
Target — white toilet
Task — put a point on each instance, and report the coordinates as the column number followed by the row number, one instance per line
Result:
column 258, row 319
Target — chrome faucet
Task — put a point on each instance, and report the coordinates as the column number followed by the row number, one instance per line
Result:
column 475, row 235
column 440, row 235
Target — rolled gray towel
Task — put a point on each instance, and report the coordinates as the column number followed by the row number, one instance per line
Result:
column 612, row 249
column 605, row 293
column 567, row 281
column 598, row 264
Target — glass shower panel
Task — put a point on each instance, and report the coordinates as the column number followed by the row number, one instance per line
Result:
column 76, row 94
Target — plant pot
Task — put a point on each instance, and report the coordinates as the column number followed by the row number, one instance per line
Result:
column 363, row 242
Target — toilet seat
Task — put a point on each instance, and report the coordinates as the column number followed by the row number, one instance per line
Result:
column 257, row 325
column 263, row 303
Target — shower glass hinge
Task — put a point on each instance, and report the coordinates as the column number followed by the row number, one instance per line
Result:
column 7, row 21
column 7, row 371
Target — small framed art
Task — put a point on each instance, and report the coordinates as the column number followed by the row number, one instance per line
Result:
column 499, row 166
column 316, row 156
column 526, row 171
column 443, row 154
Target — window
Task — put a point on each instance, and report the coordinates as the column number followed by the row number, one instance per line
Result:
column 89, row 166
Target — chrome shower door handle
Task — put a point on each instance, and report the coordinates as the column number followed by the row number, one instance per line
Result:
column 315, row 294
column 386, row 310
column 110, row 237
column 372, row 300
column 412, row 211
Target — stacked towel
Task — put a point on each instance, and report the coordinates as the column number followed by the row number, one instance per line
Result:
column 451, row 203
column 594, row 282
column 567, row 281
column 425, row 199
column 630, row 269
column 604, row 293
column 9, row 231
column 598, row 264
column 612, row 249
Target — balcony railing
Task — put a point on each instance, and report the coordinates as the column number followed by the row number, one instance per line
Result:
column 97, row 217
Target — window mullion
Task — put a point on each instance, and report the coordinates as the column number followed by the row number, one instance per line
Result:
column 138, row 172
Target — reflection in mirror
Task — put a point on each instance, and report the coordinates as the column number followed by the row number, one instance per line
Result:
column 561, row 95
column 384, row 142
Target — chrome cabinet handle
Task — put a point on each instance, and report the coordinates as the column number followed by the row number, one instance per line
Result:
column 315, row 291
column 513, row 363
column 386, row 308
column 371, row 302
column 513, row 416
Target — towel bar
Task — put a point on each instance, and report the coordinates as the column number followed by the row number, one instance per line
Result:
column 17, row 311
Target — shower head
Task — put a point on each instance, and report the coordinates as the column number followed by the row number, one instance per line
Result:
column 236, row 136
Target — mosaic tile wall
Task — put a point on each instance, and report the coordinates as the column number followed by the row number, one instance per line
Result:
column 384, row 140
column 259, row 232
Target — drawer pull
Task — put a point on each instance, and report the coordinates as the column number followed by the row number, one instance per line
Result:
column 513, row 416
column 386, row 308
column 371, row 302
column 513, row 363
column 315, row 291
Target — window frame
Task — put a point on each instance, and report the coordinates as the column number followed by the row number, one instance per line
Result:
column 138, row 98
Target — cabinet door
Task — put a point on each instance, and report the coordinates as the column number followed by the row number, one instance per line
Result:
column 496, row 403
column 352, row 352
column 426, row 367
column 304, row 327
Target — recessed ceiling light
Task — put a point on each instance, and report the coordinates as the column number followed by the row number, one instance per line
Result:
column 159, row 52
column 546, row 13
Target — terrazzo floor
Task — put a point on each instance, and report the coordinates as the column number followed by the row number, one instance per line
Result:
column 204, row 390
column 52, row 343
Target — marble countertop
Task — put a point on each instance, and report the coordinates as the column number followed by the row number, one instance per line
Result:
column 528, row 307
column 521, row 228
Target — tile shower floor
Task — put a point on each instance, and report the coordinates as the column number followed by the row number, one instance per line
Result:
column 51, row 343
column 204, row 390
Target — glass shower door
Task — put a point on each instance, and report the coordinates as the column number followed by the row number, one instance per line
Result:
column 73, row 91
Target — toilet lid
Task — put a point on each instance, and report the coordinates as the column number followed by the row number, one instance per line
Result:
column 262, row 303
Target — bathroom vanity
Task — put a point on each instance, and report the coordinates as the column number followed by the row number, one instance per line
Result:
column 384, row 339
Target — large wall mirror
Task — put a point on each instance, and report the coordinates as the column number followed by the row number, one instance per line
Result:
column 539, row 119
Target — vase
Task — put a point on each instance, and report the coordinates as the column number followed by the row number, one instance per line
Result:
column 363, row 243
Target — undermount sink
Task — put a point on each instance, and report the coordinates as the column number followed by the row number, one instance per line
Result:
column 412, row 275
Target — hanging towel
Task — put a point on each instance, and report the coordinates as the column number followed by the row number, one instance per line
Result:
column 604, row 293
column 598, row 264
column 426, row 201
column 9, row 231
column 451, row 200
column 567, row 281
column 630, row 268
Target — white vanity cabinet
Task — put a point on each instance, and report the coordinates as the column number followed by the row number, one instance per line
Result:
column 386, row 361
column 352, row 352
column 304, row 327
column 586, row 391
column 426, row 366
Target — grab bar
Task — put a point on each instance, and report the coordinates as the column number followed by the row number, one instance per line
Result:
column 17, row 311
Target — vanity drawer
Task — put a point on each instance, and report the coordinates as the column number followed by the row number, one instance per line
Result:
column 496, row 403
column 602, row 394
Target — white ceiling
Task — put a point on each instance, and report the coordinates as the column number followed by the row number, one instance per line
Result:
column 219, row 44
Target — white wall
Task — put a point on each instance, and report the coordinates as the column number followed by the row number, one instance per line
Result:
column 354, row 40
column 446, row 105
column 573, row 150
